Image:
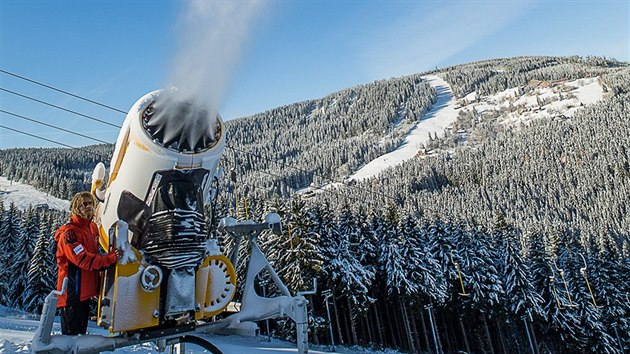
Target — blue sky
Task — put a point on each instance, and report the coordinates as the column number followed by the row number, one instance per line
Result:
column 265, row 54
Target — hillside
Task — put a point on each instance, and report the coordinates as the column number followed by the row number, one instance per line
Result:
column 482, row 184
column 506, row 111
column 24, row 195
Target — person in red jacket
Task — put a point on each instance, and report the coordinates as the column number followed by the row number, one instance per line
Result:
column 79, row 260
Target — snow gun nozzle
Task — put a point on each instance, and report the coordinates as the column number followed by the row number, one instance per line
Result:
column 181, row 126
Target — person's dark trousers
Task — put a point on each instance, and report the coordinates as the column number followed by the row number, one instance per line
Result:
column 74, row 318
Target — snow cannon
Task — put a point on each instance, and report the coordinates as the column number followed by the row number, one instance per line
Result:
column 161, row 178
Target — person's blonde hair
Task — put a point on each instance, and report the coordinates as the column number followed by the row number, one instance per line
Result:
column 77, row 201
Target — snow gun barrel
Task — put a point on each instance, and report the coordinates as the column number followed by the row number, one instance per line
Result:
column 153, row 207
column 172, row 279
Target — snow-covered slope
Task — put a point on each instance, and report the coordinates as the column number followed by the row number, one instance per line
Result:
column 24, row 195
column 543, row 102
column 441, row 115
column 17, row 330
column 513, row 109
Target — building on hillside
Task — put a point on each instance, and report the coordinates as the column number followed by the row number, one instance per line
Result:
column 559, row 82
column 538, row 84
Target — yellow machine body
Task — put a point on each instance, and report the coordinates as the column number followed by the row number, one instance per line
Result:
column 132, row 308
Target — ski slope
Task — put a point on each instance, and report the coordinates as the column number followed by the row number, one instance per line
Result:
column 444, row 113
column 24, row 195
column 440, row 116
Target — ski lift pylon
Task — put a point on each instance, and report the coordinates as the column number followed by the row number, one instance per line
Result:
column 566, row 286
column 588, row 284
column 459, row 274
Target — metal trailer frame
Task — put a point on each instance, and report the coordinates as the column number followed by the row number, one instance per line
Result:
column 253, row 308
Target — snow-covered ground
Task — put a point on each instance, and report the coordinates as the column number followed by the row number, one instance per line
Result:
column 24, row 195
column 563, row 100
column 17, row 330
column 440, row 116
column 443, row 114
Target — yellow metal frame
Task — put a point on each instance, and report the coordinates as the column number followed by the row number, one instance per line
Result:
column 203, row 294
column 133, row 307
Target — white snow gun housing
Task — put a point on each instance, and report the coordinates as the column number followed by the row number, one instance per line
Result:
column 160, row 179
column 172, row 278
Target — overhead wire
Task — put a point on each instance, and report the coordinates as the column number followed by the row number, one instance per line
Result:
column 52, row 141
column 329, row 179
column 53, row 126
column 62, row 91
column 59, row 107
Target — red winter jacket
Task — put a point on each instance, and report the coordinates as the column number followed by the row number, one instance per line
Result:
column 78, row 259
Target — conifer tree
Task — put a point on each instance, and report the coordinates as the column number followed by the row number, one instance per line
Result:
column 442, row 247
column 521, row 296
column 567, row 321
column 295, row 254
column 480, row 274
column 41, row 272
column 391, row 258
column 10, row 231
column 20, row 259
column 352, row 279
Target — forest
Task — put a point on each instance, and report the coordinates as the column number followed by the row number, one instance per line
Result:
column 515, row 241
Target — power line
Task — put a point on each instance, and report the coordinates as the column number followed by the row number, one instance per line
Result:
column 227, row 146
column 62, row 91
column 52, row 141
column 105, row 157
column 53, row 126
column 59, row 107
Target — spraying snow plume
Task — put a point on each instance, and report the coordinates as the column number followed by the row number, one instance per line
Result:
column 212, row 34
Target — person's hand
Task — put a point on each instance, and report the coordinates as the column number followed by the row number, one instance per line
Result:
column 119, row 253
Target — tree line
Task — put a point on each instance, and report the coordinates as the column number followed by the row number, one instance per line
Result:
column 425, row 284
column 401, row 280
column 28, row 271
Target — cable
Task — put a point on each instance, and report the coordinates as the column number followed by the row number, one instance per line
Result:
column 227, row 146
column 59, row 107
column 105, row 157
column 62, row 91
column 54, row 126
column 52, row 141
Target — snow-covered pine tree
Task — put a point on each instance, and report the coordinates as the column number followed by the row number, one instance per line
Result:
column 425, row 282
column 10, row 231
column 295, row 254
column 42, row 275
column 567, row 321
column 521, row 296
column 323, row 224
column 593, row 313
column 368, row 252
column 543, row 274
column 391, row 258
column 479, row 262
column 20, row 260
column 523, row 302
column 349, row 278
column 392, row 267
column 610, row 282
column 441, row 246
